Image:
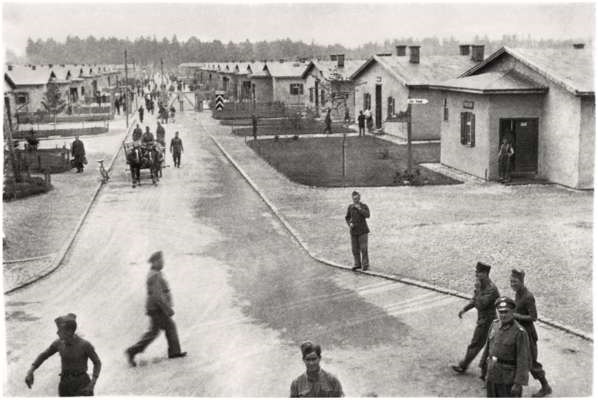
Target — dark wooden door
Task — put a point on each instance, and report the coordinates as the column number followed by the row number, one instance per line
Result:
column 378, row 115
column 526, row 145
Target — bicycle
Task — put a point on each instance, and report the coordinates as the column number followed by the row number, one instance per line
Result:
column 104, row 177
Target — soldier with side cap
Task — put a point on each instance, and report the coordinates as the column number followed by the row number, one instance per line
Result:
column 357, row 212
column 483, row 300
column 74, row 353
column 526, row 315
column 159, row 308
column 507, row 353
column 315, row 382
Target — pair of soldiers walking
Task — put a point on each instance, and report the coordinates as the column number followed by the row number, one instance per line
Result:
column 509, row 342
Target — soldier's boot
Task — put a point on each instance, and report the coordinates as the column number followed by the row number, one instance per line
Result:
column 545, row 390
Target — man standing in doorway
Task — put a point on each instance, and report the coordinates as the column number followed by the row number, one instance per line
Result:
column 505, row 155
column 159, row 308
column 483, row 300
column 526, row 314
column 356, row 216
column 176, row 148
column 361, row 123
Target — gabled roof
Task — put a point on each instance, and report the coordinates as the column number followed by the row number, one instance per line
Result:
column 573, row 69
column 331, row 71
column 500, row 82
column 430, row 69
column 22, row 75
column 286, row 69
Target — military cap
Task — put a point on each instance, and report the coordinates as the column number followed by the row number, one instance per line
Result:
column 355, row 193
column 504, row 302
column 519, row 274
column 67, row 321
column 481, row 267
column 309, row 347
column 156, row 256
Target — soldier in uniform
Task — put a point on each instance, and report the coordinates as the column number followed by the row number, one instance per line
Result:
column 176, row 148
column 507, row 353
column 356, row 216
column 137, row 133
column 159, row 308
column 526, row 314
column 483, row 300
column 315, row 382
column 160, row 135
column 74, row 353
column 148, row 137
column 78, row 152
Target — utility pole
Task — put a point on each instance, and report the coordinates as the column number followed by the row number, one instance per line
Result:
column 409, row 156
column 11, row 150
column 127, row 91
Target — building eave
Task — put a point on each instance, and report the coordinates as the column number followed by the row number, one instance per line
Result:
column 483, row 91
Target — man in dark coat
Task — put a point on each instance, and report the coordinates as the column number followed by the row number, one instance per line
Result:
column 137, row 133
column 361, row 123
column 526, row 314
column 254, row 126
column 328, row 122
column 484, row 295
column 74, row 353
column 117, row 105
column 140, row 114
column 315, row 382
column 160, row 135
column 356, row 216
column 148, row 137
column 506, row 354
column 159, row 308
column 176, row 148
column 78, row 152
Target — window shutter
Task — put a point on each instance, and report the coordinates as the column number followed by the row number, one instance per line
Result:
column 463, row 128
column 472, row 131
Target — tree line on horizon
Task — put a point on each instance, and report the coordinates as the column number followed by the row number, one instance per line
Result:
column 149, row 51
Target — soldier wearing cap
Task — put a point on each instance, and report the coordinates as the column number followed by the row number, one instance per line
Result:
column 506, row 354
column 526, row 315
column 315, row 382
column 74, row 353
column 483, row 299
column 357, row 212
column 159, row 308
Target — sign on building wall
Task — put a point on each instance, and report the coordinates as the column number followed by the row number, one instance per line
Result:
column 468, row 104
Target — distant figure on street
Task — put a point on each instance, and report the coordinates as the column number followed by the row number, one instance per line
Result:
column 347, row 118
column 505, row 155
column 78, row 152
column 140, row 111
column 137, row 133
column 148, row 137
column 172, row 113
column 328, row 122
column 134, row 161
column 526, row 314
column 507, row 353
column 32, row 141
column 361, row 123
column 74, row 353
column 176, row 148
column 117, row 105
column 356, row 216
column 315, row 382
column 484, row 295
column 159, row 309
column 368, row 119
column 160, row 135
column 254, row 125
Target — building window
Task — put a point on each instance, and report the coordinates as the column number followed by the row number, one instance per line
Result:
column 446, row 113
column 311, row 95
column 367, row 101
column 21, row 98
column 296, row 88
column 468, row 129
column 391, row 108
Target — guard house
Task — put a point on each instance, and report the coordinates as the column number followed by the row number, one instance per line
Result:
column 329, row 85
column 385, row 82
column 541, row 100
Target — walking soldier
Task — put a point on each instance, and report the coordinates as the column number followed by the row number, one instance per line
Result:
column 526, row 314
column 74, row 353
column 506, row 354
column 483, row 300
column 159, row 309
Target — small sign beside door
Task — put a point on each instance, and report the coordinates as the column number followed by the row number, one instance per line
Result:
column 468, row 104
column 417, row 101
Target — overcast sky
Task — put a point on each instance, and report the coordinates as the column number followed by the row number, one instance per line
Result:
column 350, row 24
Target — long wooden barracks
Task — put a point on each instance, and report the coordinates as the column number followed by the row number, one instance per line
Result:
column 542, row 100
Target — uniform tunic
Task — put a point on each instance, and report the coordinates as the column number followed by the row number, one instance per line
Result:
column 525, row 304
column 359, row 234
column 508, row 358
column 320, row 384
column 73, row 358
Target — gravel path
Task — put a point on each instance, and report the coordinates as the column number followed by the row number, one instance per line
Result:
column 437, row 233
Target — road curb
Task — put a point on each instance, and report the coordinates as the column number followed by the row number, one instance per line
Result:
column 408, row 281
column 66, row 247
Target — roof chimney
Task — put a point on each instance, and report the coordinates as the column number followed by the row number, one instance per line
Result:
column 340, row 58
column 401, row 50
column 464, row 49
column 33, row 67
column 333, row 57
column 9, row 67
column 477, row 53
column 281, row 60
column 414, row 54
column 579, row 45
column 384, row 54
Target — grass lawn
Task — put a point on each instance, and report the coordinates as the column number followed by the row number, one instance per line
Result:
column 286, row 127
column 369, row 161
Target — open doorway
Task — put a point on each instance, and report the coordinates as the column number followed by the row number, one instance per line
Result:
column 522, row 133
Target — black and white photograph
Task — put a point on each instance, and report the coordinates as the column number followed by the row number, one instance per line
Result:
column 298, row 199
